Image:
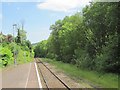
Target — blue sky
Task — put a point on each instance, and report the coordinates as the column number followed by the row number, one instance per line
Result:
column 37, row 17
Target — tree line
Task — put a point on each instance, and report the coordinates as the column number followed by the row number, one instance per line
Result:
column 15, row 49
column 88, row 39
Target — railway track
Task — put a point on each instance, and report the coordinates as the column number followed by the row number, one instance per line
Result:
column 50, row 79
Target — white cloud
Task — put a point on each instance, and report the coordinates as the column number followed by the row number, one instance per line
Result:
column 60, row 5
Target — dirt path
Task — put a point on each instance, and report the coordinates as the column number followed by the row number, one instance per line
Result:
column 21, row 76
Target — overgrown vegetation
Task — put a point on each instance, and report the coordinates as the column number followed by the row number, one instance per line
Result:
column 88, row 39
column 15, row 50
column 86, row 77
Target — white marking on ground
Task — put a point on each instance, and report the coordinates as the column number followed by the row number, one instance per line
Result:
column 39, row 81
column 28, row 76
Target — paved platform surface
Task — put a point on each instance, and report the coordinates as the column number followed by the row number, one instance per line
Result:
column 0, row 79
column 21, row 76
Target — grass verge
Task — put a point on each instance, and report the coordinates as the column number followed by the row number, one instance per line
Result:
column 106, row 80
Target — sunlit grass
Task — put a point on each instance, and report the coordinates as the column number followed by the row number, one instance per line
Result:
column 106, row 80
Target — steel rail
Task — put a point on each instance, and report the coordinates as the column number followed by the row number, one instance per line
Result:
column 43, row 76
column 55, row 76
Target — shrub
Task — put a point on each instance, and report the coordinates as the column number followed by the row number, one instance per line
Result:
column 6, row 56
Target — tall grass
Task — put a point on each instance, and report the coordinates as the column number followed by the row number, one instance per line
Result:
column 106, row 80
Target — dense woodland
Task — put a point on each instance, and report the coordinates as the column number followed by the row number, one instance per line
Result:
column 88, row 39
column 15, row 50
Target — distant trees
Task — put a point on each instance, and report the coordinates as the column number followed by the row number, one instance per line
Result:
column 1, row 37
column 21, row 36
column 88, row 39
column 6, row 38
column 41, row 49
column 9, row 38
column 15, row 48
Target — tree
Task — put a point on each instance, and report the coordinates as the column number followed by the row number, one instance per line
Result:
column 18, row 39
column 9, row 38
column 1, row 37
column 41, row 49
column 101, row 19
column 23, row 35
column 90, row 40
column 55, row 39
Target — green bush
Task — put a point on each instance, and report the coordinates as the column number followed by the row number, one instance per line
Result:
column 41, row 49
column 23, row 56
column 6, row 56
column 108, row 59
